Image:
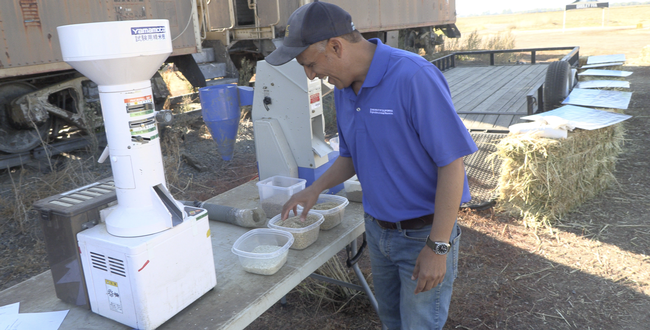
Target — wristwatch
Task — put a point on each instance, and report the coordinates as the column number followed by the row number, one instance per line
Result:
column 441, row 248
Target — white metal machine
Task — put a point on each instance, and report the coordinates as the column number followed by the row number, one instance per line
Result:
column 289, row 123
column 153, row 256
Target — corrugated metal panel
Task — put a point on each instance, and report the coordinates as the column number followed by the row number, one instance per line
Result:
column 267, row 10
column 219, row 12
column 29, row 37
column 383, row 15
column 368, row 15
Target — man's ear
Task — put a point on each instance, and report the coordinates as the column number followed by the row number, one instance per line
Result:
column 336, row 46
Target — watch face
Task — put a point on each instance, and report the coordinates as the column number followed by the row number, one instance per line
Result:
column 442, row 249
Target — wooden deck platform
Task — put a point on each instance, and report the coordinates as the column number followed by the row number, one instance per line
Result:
column 500, row 89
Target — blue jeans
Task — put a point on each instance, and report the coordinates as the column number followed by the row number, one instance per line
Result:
column 392, row 256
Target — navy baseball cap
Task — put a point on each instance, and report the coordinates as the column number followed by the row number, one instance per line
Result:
column 309, row 24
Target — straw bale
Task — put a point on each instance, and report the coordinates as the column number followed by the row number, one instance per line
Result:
column 543, row 179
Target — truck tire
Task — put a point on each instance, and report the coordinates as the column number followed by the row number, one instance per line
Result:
column 557, row 84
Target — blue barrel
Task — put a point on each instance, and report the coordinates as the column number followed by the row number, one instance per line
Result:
column 220, row 111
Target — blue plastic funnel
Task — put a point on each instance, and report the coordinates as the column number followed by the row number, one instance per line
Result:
column 220, row 110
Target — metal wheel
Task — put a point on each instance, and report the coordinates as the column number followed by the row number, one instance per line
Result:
column 14, row 140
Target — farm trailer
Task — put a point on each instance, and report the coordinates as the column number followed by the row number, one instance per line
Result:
column 40, row 95
column 490, row 98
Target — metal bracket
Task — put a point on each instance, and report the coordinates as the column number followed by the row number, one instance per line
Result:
column 36, row 107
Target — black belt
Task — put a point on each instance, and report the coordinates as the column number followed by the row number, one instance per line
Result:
column 415, row 223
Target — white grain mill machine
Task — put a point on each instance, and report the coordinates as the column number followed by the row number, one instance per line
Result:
column 152, row 256
column 289, row 124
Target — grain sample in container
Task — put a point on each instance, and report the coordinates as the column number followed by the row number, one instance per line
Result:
column 276, row 190
column 305, row 233
column 353, row 189
column 332, row 208
column 263, row 251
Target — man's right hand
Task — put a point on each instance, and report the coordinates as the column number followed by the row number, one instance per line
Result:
column 307, row 198
column 341, row 170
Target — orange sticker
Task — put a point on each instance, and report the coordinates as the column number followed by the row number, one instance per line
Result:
column 138, row 100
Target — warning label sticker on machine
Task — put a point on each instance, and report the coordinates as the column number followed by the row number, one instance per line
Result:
column 139, row 100
column 143, row 129
column 314, row 101
column 113, row 294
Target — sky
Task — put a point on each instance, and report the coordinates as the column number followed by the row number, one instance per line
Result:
column 478, row 7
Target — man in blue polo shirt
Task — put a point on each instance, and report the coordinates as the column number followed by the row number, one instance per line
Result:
column 399, row 132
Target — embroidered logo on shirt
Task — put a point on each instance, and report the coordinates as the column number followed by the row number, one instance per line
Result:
column 381, row 111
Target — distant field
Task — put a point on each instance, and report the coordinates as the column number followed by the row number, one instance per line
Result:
column 615, row 16
column 627, row 30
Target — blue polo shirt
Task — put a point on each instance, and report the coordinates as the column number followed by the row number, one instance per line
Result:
column 399, row 129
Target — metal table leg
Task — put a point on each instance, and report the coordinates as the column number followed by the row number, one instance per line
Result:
column 352, row 262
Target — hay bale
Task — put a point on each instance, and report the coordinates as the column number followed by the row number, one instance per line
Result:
column 645, row 54
column 543, row 179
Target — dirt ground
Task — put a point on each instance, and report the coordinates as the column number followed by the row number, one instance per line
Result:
column 592, row 271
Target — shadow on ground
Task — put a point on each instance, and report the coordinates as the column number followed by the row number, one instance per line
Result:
column 504, row 287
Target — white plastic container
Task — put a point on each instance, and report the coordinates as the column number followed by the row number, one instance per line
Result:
column 276, row 190
column 333, row 216
column 303, row 237
column 263, row 263
column 353, row 189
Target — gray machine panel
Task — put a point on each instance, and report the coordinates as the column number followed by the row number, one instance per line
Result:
column 30, row 44
column 62, row 217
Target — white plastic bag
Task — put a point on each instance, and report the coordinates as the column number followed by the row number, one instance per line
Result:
column 548, row 126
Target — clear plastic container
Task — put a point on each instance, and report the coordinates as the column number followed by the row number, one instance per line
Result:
column 334, row 143
column 332, row 216
column 276, row 190
column 353, row 189
column 266, row 260
column 303, row 237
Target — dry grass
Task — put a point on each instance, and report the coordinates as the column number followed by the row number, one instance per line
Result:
column 644, row 58
column 543, row 179
column 475, row 41
column 170, row 144
column 333, row 268
column 27, row 186
column 177, row 84
column 246, row 72
column 615, row 16
column 327, row 296
column 329, row 113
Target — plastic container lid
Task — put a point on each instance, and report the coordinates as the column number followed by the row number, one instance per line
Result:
column 282, row 183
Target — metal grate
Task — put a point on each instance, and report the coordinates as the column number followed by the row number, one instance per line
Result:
column 482, row 174
column 83, row 194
